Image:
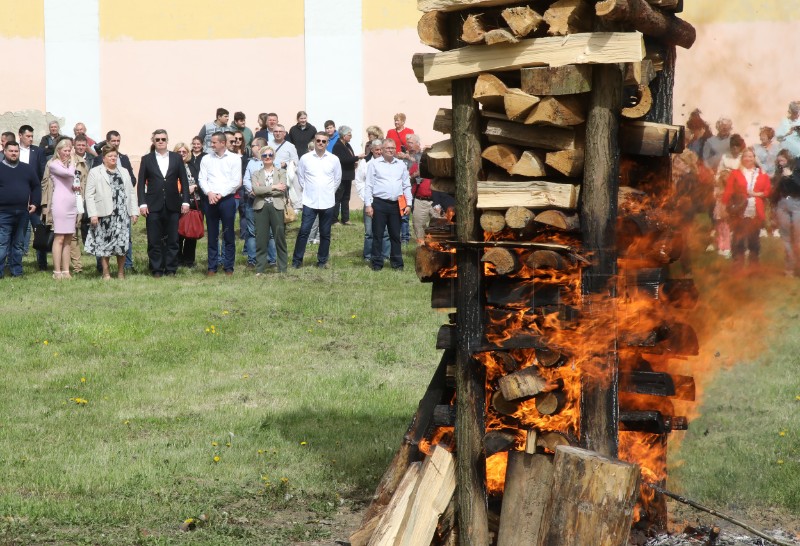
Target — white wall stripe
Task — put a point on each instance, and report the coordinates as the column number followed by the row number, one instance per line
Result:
column 334, row 65
column 72, row 63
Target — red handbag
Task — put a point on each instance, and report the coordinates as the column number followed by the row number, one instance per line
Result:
column 190, row 225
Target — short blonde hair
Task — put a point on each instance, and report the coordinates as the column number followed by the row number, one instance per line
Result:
column 401, row 116
column 375, row 130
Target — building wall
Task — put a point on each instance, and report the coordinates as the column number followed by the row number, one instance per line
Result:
column 114, row 65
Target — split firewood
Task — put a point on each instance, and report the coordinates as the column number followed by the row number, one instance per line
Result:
column 529, row 478
column 642, row 106
column 549, row 138
column 530, row 441
column 639, row 73
column 505, row 360
column 570, row 79
column 499, row 36
column 446, row 337
column 429, row 262
column 502, row 155
column 493, row 221
column 546, row 259
column 518, row 104
column 490, row 91
column 549, row 403
column 456, row 5
column 444, row 415
column 651, row 139
column 504, row 260
column 439, row 159
column 564, row 111
column 389, row 524
column 522, row 384
column 647, row 20
column 444, row 185
column 503, row 406
column 589, row 47
column 443, row 122
column 591, row 501
column 496, row 441
column 473, row 30
column 519, row 217
column 531, row 194
column 432, row 30
column 547, row 357
column 568, row 17
column 529, row 165
column 567, row 162
column 559, row 220
column 551, row 440
column 522, row 20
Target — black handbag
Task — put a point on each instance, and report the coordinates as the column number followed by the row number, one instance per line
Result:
column 43, row 238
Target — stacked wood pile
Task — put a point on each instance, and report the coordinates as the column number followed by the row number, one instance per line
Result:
column 557, row 266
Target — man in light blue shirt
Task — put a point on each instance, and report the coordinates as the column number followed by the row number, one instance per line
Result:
column 387, row 180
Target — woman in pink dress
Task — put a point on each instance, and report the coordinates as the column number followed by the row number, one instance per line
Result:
column 63, row 206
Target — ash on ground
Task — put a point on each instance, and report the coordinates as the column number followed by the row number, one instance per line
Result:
column 707, row 536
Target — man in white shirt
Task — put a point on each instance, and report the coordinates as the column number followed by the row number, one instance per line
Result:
column 319, row 173
column 285, row 152
column 220, row 176
column 387, row 180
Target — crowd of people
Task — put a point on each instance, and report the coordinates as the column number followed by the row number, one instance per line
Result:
column 749, row 191
column 85, row 197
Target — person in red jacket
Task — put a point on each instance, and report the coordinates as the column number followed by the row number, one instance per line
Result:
column 745, row 196
column 399, row 135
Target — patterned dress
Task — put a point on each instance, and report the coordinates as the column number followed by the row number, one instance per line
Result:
column 111, row 235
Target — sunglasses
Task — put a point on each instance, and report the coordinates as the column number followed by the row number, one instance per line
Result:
column 237, row 139
column 321, row 141
column 267, row 155
column 160, row 139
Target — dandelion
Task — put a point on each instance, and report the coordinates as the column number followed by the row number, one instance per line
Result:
column 319, row 321
column 55, row 354
column 126, row 423
column 303, row 443
column 227, row 444
column 213, row 444
column 208, row 330
column 780, row 461
column 260, row 451
column 284, row 481
column 216, row 458
column 188, row 521
column 797, row 397
column 782, row 433
column 246, row 376
column 309, row 330
column 45, row 342
column 83, row 380
column 353, row 316
column 225, row 313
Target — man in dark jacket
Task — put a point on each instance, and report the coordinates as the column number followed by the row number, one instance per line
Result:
column 33, row 156
column 20, row 196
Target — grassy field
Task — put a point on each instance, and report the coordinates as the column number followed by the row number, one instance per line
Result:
column 273, row 405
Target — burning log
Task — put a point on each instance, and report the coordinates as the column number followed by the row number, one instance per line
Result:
column 681, row 293
column 528, row 165
column 532, row 193
column 547, row 357
column 681, row 387
column 518, row 104
column 551, row 440
column 563, row 111
column 529, row 478
column 490, row 91
column 549, row 138
column 522, row 384
column 550, row 403
column 493, row 221
column 391, row 521
column 522, row 20
column 429, row 262
column 446, row 337
column 590, row 47
column 444, row 415
column 652, row 22
column 496, row 441
column 503, row 406
column 567, row 162
column 592, row 500
column 432, row 30
column 546, row 259
column 651, row 139
column 516, row 293
column 559, row 220
column 505, row 262
column 502, row 155
column 568, row 17
column 652, row 422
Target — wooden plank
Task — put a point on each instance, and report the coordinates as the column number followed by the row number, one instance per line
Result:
column 546, row 137
column 529, row 478
column 456, row 5
column 531, row 194
column 582, row 48
column 392, row 519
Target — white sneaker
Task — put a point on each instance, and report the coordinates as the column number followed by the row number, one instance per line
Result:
column 710, row 248
column 763, row 233
column 726, row 254
column 776, row 233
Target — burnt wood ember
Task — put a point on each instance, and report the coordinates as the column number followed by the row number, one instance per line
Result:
column 650, row 421
column 446, row 338
column 681, row 293
column 497, row 441
column 429, row 263
column 443, row 293
column 659, row 384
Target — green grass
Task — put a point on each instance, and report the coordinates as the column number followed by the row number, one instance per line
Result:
column 312, row 378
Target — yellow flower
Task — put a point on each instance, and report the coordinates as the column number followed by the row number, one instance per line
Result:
column 224, row 312
column 260, row 451
column 55, row 354
column 780, row 461
column 303, row 443
column 284, row 480
column 83, row 380
column 214, row 444
column 310, row 330
column 319, row 321
column 797, row 397
column 227, row 444
column 45, row 342
column 188, row 521
column 782, row 433
column 208, row 330
column 216, row 458
column 353, row 316
column 246, row 376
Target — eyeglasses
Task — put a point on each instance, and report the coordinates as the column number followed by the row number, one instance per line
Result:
column 237, row 139
column 267, row 155
column 320, row 141
column 183, row 152
column 160, row 139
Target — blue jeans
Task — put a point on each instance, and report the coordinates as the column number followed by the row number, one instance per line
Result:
column 248, row 228
column 405, row 234
column 787, row 213
column 326, row 217
column 225, row 211
column 13, row 229
column 368, row 238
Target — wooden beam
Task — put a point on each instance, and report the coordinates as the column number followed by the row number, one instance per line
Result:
column 531, row 194
column 456, row 5
column 570, row 79
column 584, row 48
column 650, row 138
column 548, row 138
column 434, row 89
column 591, row 502
column 432, row 30
column 650, row 21
column 529, row 478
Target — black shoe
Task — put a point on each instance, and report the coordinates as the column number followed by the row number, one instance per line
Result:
column 323, row 266
column 157, row 275
column 397, row 268
column 170, row 273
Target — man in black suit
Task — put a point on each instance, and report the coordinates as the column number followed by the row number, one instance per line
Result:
column 114, row 139
column 33, row 156
column 163, row 191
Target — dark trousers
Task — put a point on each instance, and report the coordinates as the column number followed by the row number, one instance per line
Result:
column 162, row 240
column 343, row 201
column 225, row 211
column 41, row 255
column 269, row 220
column 326, row 217
column 186, row 251
column 744, row 236
column 386, row 214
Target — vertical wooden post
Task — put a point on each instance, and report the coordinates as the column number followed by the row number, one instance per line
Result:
column 599, row 402
column 470, row 380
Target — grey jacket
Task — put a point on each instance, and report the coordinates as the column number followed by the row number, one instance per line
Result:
column 261, row 189
column 98, row 193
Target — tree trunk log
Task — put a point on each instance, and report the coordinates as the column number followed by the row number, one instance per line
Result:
column 549, row 403
column 559, row 220
column 432, row 30
column 518, row 217
column 546, row 259
column 443, row 122
column 549, row 138
column 648, row 20
column 493, row 221
column 522, row 384
column 428, row 262
column 592, row 500
column 529, row 478
column 504, row 260
column 439, row 159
